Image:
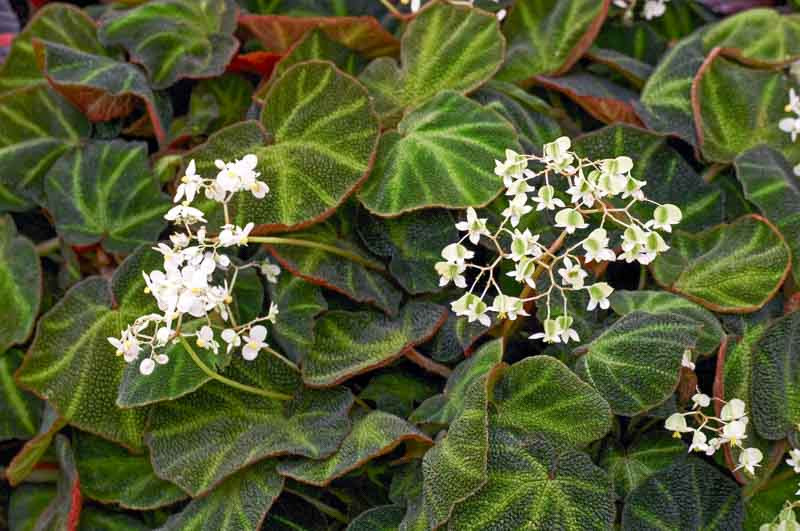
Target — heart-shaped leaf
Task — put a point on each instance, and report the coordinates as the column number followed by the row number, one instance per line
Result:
column 71, row 364
column 659, row 302
column 175, row 39
column 441, row 155
column 374, row 434
column 541, row 395
column 20, row 412
column 381, row 518
column 36, row 127
column 240, row 428
column 321, row 133
column 240, row 502
column 549, row 36
column 734, row 268
column 533, row 483
column 350, row 343
column 601, row 98
column 445, row 47
column 300, row 302
column 769, row 182
column 110, row 474
column 757, row 36
column 105, row 192
column 20, row 285
column 692, row 495
column 776, row 379
column 629, row 467
column 444, row 408
column 635, row 363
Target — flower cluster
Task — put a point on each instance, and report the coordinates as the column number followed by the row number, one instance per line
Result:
column 198, row 278
column 791, row 125
column 729, row 428
column 652, row 8
column 588, row 186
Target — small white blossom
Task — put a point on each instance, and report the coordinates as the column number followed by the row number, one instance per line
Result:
column 471, row 306
column 699, row 442
column 231, row 338
column 749, row 459
column 733, row 410
column 551, row 332
column 686, row 360
column 456, row 253
column 517, row 208
column 677, row 423
column 701, row 400
column 523, row 272
column 475, row 226
column 270, row 271
column 570, row 219
column 146, row 366
column 190, row 184
column 794, row 460
column 572, row 274
column 598, row 296
column 451, row 272
column 596, row 247
column 205, row 339
column 524, row 244
column 735, row 431
column 508, row 307
column 546, row 199
column 654, row 9
column 791, row 126
column 664, row 216
column 565, row 328
column 254, row 342
column 185, row 214
column 556, row 154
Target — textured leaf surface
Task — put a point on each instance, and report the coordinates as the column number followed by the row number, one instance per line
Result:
column 533, row 484
column 603, row 99
column 23, row 463
column 444, row 408
column 110, row 474
column 692, row 495
column 240, row 502
column 440, row 155
column 413, row 243
column 769, row 182
column 349, row 343
column 758, row 36
column 199, row 440
column 549, row 37
column 70, row 362
column 20, row 285
column 733, row 268
column 628, row 467
column 300, row 302
column 541, row 395
column 776, row 379
column 318, row 146
column 636, row 362
column 381, row 518
column 374, row 434
column 397, row 391
column 218, row 102
column 659, row 302
column 20, row 412
column 445, row 47
column 175, row 39
column 105, row 192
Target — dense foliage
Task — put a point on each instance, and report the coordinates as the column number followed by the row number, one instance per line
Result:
column 336, row 150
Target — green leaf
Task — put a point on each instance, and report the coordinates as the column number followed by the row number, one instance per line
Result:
column 765, row 504
column 603, row 99
column 549, row 36
column 218, row 102
column 456, row 338
column 62, row 512
column 633, row 70
column 737, row 108
column 111, row 474
column 769, row 182
column 200, row 439
column 240, row 502
column 374, row 434
column 445, row 47
column 20, row 412
column 441, row 155
column 635, row 363
column 381, row 518
column 105, row 192
column 757, row 36
column 659, row 302
column 175, row 39
column 446, row 407
column 629, row 467
column 20, row 285
column 26, row 505
column 541, row 395
column 349, row 343
column 320, row 136
column 58, row 23
column 71, row 364
column 300, row 302
column 36, row 127
column 397, row 391
column 29, row 455
column 734, row 268
column 355, row 274
column 535, row 484
column 776, row 379
column 94, row 519
column 669, row 178
column 413, row 243
column 690, row 496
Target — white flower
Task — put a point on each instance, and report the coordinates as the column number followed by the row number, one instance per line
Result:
column 686, row 360
column 232, row 339
column 701, row 400
column 565, row 328
column 572, row 274
column 581, row 192
column 471, row 306
column 227, row 179
column 633, row 188
column 179, row 240
column 162, row 359
column 185, row 214
column 146, row 366
column 232, row 235
column 449, row 271
column 557, row 155
column 162, row 336
column 794, row 460
column 699, row 442
column 190, row 184
column 749, row 459
column 524, row 244
column 794, row 100
column 508, row 307
column 654, row 9
column 735, row 431
column 513, row 167
column 205, row 339
column 523, row 272
column 173, row 259
column 456, row 253
column 270, row 271
column 254, row 342
column 677, row 423
column 596, row 247
column 517, row 208
column 570, row 219
column 127, row 345
column 475, row 226
column 796, row 170
column 272, row 314
column 546, row 199
column 613, row 175
column 791, row 126
column 551, row 332
column 598, row 295
column 733, row 410
column 664, row 216
column 515, row 186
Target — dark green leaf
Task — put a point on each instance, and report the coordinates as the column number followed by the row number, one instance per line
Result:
column 628, row 467
column 26, row 505
column 381, row 518
column 603, row 99
column 397, row 392
column 29, row 455
column 63, row 510
column 300, row 302
column 20, row 285
column 758, row 36
column 20, row 412
column 218, row 102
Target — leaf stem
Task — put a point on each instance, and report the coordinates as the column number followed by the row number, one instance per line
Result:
column 278, row 240
column 323, row 507
column 227, row 381
column 416, row 357
column 48, row 246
